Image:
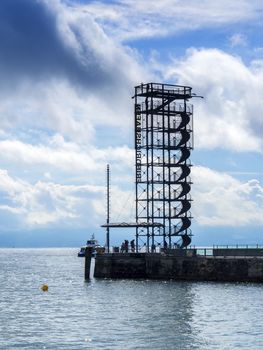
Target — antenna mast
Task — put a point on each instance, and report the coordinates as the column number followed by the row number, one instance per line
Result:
column 108, row 210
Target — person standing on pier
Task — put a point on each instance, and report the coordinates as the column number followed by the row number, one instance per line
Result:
column 132, row 246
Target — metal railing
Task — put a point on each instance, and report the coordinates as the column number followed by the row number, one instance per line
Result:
column 236, row 250
column 215, row 251
column 238, row 246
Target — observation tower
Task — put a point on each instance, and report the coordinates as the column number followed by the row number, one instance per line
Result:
column 163, row 121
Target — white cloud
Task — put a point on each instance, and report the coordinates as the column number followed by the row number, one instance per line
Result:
column 238, row 39
column 132, row 19
column 230, row 116
column 57, row 106
column 49, row 204
column 66, row 156
column 45, row 203
column 219, row 200
column 85, row 81
column 222, row 200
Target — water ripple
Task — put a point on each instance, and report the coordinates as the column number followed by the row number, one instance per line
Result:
column 118, row 314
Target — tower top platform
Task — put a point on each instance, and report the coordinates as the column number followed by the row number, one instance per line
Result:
column 158, row 90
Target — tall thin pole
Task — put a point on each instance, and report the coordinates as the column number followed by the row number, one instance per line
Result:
column 108, row 210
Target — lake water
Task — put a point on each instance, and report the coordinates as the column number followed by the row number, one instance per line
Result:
column 119, row 314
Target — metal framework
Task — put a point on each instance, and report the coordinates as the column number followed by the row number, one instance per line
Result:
column 163, row 142
column 108, row 210
column 132, row 224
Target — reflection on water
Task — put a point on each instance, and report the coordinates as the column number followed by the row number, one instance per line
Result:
column 118, row 314
column 142, row 314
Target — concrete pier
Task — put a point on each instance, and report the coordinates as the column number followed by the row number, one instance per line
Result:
column 187, row 266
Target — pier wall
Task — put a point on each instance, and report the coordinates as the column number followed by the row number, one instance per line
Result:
column 194, row 268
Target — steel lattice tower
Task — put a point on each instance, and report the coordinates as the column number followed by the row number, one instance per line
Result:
column 163, row 142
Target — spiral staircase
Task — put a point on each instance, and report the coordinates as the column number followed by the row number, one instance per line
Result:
column 163, row 144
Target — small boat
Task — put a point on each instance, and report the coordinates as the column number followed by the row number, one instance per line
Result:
column 92, row 242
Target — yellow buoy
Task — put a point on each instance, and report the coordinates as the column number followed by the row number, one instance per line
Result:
column 44, row 287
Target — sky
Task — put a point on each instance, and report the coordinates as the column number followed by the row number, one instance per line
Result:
column 68, row 70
